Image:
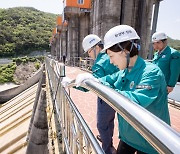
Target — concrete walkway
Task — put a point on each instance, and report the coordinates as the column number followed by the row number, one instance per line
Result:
column 86, row 103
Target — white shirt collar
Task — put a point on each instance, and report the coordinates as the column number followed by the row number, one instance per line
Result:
column 159, row 52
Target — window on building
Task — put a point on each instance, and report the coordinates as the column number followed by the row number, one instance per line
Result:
column 80, row 1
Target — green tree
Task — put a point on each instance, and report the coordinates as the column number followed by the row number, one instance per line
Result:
column 24, row 29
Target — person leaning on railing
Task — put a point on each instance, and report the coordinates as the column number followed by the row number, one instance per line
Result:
column 138, row 80
column 105, row 114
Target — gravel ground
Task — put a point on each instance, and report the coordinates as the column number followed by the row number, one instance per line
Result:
column 24, row 71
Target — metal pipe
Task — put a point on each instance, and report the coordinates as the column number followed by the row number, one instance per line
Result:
column 63, row 114
column 160, row 135
column 87, row 131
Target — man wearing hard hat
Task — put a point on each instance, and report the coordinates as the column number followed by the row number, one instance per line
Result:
column 167, row 58
column 92, row 45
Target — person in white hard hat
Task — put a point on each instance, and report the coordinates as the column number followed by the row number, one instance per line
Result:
column 92, row 45
column 167, row 58
column 138, row 80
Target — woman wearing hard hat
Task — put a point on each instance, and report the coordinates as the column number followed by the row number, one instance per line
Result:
column 140, row 81
column 167, row 58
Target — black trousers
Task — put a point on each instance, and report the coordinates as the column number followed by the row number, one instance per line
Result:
column 124, row 148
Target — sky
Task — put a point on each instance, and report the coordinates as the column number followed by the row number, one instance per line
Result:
column 168, row 18
column 52, row 6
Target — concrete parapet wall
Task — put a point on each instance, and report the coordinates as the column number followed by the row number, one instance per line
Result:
column 38, row 137
column 10, row 93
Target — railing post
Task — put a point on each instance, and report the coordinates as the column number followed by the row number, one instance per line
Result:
column 62, row 107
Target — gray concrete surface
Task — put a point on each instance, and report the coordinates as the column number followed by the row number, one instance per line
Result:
column 175, row 94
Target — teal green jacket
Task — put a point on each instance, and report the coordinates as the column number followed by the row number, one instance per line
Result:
column 101, row 67
column 144, row 84
column 169, row 62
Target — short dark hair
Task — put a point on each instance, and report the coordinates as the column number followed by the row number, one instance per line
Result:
column 164, row 40
column 125, row 45
column 100, row 44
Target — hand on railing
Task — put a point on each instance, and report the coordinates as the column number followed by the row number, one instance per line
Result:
column 82, row 77
column 66, row 81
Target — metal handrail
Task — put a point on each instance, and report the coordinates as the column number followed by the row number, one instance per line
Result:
column 84, row 63
column 76, row 135
column 88, row 66
column 84, row 125
column 160, row 135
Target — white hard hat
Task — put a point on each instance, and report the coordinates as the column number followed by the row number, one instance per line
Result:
column 158, row 36
column 119, row 34
column 89, row 41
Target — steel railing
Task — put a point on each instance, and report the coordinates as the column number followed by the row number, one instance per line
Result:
column 160, row 135
column 84, row 63
column 76, row 135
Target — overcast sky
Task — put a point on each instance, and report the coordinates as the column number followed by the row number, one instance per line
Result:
column 168, row 20
column 52, row 6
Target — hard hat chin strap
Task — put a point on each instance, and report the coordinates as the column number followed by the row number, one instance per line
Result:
column 127, row 59
column 94, row 51
column 120, row 47
column 127, row 54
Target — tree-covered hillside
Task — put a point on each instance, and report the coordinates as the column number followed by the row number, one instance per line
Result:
column 174, row 43
column 24, row 29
